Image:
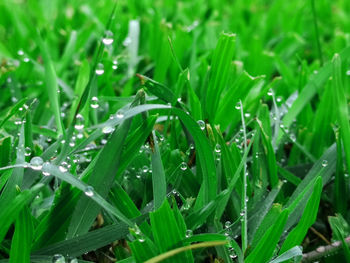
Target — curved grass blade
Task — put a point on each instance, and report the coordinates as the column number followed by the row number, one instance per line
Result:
column 297, row 235
column 67, row 177
column 264, row 250
column 177, row 251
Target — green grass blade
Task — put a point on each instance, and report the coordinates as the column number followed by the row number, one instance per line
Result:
column 264, row 250
column 10, row 211
column 51, row 84
column 22, row 238
column 219, row 73
column 297, row 235
column 342, row 106
column 158, row 175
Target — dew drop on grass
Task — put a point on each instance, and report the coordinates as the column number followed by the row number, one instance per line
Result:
column 217, row 148
column 270, row 92
column 100, row 69
column 201, row 124
column 189, row 233
column 183, row 166
column 73, row 260
column 58, row 258
column 79, row 122
column 247, row 115
column 348, row 72
column 120, row 114
column 145, row 169
column 107, row 129
column 324, row 163
column 36, row 163
column 108, row 38
column 94, row 103
column 115, row 64
column 27, row 151
column 18, row 121
column 63, row 167
column 46, row 173
column 20, row 52
column 89, row 190
column 227, row 224
column 238, row 106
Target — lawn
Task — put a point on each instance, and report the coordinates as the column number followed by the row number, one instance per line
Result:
column 174, row 131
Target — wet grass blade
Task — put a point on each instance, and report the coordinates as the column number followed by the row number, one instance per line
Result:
column 297, row 235
column 158, row 175
column 264, row 250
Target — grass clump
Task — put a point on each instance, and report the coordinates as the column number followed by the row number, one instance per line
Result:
column 174, row 131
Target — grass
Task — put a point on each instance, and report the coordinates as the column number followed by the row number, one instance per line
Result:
column 174, row 131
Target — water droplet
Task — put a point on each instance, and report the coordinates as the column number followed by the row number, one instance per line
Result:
column 26, row 60
column 217, row 148
column 227, row 224
column 94, row 103
column 108, row 38
column 18, row 121
column 201, row 124
column 79, row 123
column 46, row 173
column 183, row 166
column 100, row 69
column 89, row 190
column 270, row 92
column 73, row 260
column 120, row 114
column 279, row 99
column 20, row 52
column 141, row 239
column 62, row 167
column 115, row 64
column 27, row 151
column 238, row 106
column 107, row 129
column 324, row 163
column 58, row 258
column 189, row 233
column 247, row 115
column 36, row 163
column 145, row 169
column 348, row 72
column 241, row 213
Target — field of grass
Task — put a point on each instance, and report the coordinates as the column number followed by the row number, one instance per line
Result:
column 174, row 131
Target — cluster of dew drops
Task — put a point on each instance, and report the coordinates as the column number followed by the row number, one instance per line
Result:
column 58, row 258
